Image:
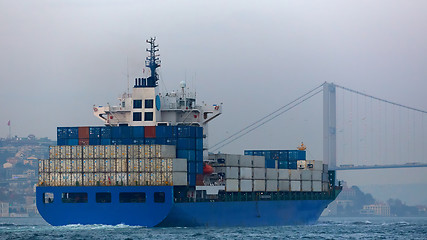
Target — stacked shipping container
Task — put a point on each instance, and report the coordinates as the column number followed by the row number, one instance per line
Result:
column 187, row 139
column 281, row 159
column 111, row 165
column 247, row 173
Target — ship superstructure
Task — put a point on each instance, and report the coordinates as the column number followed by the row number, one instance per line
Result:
column 149, row 165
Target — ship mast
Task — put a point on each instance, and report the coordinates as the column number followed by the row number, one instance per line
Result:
column 152, row 62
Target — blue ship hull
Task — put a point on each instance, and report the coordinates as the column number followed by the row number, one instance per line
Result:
column 171, row 214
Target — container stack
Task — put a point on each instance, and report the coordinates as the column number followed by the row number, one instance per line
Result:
column 247, row 173
column 113, row 165
column 241, row 173
column 187, row 139
column 281, row 159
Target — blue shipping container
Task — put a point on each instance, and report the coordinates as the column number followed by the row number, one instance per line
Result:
column 137, row 132
column 199, row 132
column 292, row 164
column 190, row 155
column 283, row 164
column 62, row 133
column 191, row 177
column 186, row 131
column 61, row 142
column 105, row 141
column 150, row 141
column 199, row 167
column 72, row 141
column 186, row 143
column 199, row 143
column 106, row 132
column 166, row 131
column 73, row 132
column 199, row 155
column 191, row 167
column 94, row 132
column 270, row 163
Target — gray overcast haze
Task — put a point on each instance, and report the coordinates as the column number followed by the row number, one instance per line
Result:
column 58, row 58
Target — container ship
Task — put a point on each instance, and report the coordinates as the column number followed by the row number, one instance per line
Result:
column 149, row 165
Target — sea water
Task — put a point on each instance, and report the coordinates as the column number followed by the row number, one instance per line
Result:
column 325, row 228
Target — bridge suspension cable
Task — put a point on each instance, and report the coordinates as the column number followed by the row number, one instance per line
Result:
column 379, row 99
column 267, row 118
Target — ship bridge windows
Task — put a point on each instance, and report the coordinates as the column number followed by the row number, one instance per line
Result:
column 159, row 197
column 74, row 197
column 137, row 103
column 137, row 116
column 148, row 116
column 47, row 197
column 132, row 197
column 149, row 103
column 103, row 197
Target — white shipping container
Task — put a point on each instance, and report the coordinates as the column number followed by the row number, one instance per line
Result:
column 306, row 175
column 168, row 166
column 67, row 151
column 121, row 151
column 133, row 151
column 149, row 151
column 133, row 179
column 76, row 165
column 232, row 160
column 231, row 185
column 317, row 186
column 54, row 179
column 306, row 186
column 284, row 174
column 258, row 173
column 245, row 173
column 231, row 172
column 179, row 165
column 284, row 185
column 271, row 185
column 121, row 165
column 315, row 165
column 46, row 167
column 76, row 152
column 295, row 174
column 52, row 152
column 316, row 175
column 43, row 179
column 88, row 165
column 88, row 179
column 76, row 179
column 167, row 180
column 258, row 161
column 110, row 179
column 110, row 165
column 121, row 178
column 179, row 178
column 99, row 152
column 133, row 165
column 272, row 174
column 61, row 165
column 259, row 185
column 245, row 161
column 99, row 179
column 295, row 186
column 87, row 152
column 67, row 163
column 245, row 185
column 40, row 166
column 102, row 165
column 166, row 151
column 65, row 179
column 110, row 151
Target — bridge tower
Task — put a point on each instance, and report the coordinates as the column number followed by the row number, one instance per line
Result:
column 329, row 125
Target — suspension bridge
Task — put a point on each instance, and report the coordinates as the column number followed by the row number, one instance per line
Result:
column 360, row 131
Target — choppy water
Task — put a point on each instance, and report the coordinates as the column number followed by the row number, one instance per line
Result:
column 326, row 228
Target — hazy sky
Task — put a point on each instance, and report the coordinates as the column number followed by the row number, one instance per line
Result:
column 58, row 58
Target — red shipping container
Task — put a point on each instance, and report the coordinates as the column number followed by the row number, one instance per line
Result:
column 83, row 141
column 150, row 131
column 83, row 132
